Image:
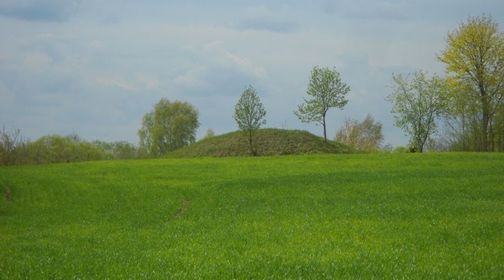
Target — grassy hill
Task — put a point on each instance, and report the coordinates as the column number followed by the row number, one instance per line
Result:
column 268, row 142
column 385, row 216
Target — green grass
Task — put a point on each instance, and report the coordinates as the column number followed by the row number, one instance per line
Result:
column 384, row 216
column 268, row 142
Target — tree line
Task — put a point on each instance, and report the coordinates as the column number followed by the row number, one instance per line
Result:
column 14, row 149
column 463, row 111
column 468, row 102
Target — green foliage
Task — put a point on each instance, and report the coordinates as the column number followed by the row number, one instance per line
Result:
column 169, row 126
column 400, row 150
column 55, row 148
column 416, row 104
column 381, row 216
column 249, row 115
column 269, row 142
column 15, row 150
column 119, row 149
column 325, row 90
column 474, row 57
column 47, row 149
column 363, row 136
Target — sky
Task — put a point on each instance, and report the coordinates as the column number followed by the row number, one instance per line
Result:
column 95, row 67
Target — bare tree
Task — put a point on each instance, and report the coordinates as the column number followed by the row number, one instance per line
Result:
column 10, row 144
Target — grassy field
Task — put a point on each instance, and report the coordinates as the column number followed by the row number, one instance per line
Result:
column 313, row 217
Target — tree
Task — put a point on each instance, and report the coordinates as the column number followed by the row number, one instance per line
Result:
column 417, row 103
column 249, row 115
column 11, row 145
column 326, row 90
column 474, row 56
column 118, row 149
column 169, row 126
column 364, row 136
column 461, row 123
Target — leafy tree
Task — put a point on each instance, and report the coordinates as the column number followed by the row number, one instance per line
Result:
column 474, row 56
column 461, row 130
column 363, row 136
column 124, row 150
column 499, row 127
column 249, row 115
column 169, row 126
column 325, row 90
column 118, row 149
column 417, row 103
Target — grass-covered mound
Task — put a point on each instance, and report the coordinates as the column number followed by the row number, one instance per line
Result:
column 267, row 142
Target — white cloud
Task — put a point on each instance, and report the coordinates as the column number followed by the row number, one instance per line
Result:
column 217, row 51
column 193, row 78
column 218, row 71
column 116, row 82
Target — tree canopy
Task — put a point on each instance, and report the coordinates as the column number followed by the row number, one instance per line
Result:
column 326, row 90
column 249, row 114
column 169, row 126
column 474, row 58
column 363, row 136
column 416, row 104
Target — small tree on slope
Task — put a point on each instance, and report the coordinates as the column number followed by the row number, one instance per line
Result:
column 249, row 115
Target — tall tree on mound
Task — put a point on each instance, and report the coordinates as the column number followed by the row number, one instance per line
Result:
column 249, row 115
column 326, row 90
column 169, row 126
column 474, row 56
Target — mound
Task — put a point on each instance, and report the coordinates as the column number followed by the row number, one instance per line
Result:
column 267, row 142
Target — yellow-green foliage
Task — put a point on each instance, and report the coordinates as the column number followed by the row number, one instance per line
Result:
column 474, row 58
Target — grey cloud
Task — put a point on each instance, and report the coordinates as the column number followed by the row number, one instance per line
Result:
column 39, row 10
column 271, row 18
column 268, row 25
column 426, row 10
column 380, row 9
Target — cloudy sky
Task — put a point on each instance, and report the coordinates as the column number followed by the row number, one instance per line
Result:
column 95, row 67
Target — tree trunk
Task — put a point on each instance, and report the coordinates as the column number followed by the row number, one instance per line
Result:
column 324, row 125
column 484, row 125
column 251, row 146
column 491, row 136
column 463, row 132
column 485, row 118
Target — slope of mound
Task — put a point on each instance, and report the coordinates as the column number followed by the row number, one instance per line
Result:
column 267, row 142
